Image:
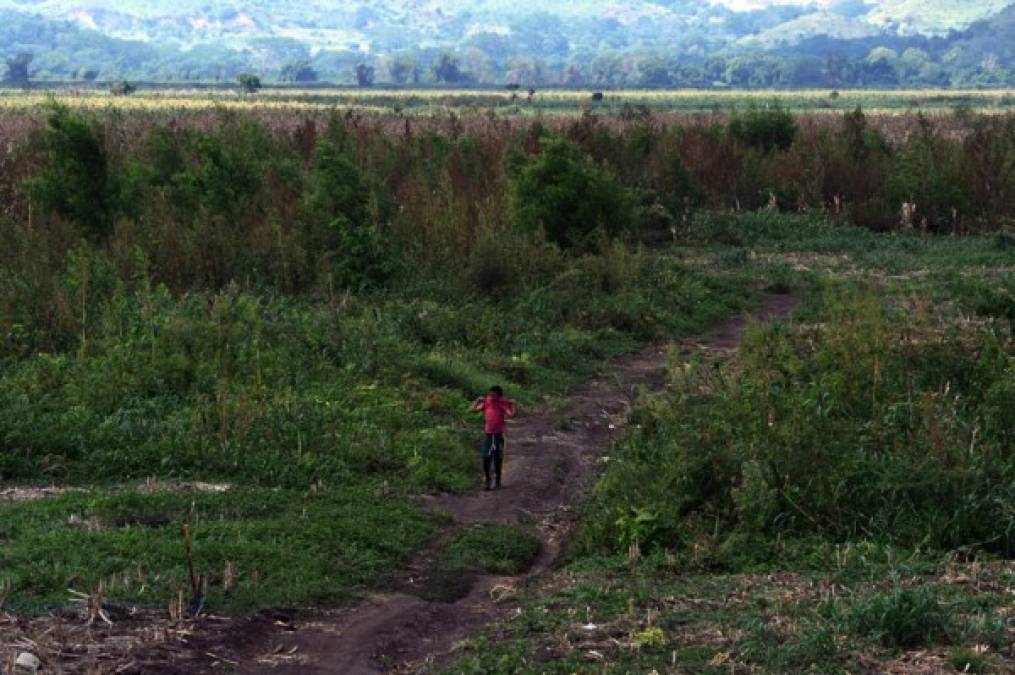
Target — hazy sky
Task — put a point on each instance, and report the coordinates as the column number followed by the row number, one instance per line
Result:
column 757, row 4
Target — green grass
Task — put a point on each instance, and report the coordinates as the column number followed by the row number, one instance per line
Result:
column 652, row 615
column 494, row 549
column 362, row 405
column 864, row 401
column 285, row 548
column 901, row 617
column 967, row 660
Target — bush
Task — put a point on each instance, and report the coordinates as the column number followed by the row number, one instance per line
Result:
column 249, row 82
column 765, row 129
column 562, row 192
column 928, row 173
column 352, row 249
column 775, row 446
column 73, row 180
column 122, row 88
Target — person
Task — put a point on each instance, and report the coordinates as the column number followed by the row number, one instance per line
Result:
column 496, row 408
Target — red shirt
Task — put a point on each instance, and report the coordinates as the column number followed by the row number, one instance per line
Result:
column 495, row 410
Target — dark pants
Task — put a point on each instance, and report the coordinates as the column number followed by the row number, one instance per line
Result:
column 493, row 455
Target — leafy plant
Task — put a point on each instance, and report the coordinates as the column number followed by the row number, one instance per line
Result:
column 767, row 129
column 73, row 180
column 249, row 82
column 562, row 192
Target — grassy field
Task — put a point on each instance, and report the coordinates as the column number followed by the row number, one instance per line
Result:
column 322, row 420
column 268, row 326
column 564, row 101
column 833, row 498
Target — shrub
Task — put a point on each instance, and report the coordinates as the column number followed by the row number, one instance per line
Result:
column 249, row 82
column 988, row 167
column 73, row 180
column 765, row 129
column 857, row 161
column 562, row 192
column 775, row 446
column 122, row 88
column 351, row 248
column 490, row 268
column 928, row 172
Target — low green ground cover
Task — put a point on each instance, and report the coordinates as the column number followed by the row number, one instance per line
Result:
column 324, row 417
column 834, row 498
column 257, row 547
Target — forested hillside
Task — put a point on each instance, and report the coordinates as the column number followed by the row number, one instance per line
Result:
column 601, row 43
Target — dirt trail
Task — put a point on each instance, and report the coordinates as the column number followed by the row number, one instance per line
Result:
column 550, row 459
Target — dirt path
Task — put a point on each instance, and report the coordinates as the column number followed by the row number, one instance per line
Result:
column 551, row 459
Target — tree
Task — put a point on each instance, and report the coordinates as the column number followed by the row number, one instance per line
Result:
column 764, row 129
column 403, row 70
column 654, row 72
column 122, row 88
column 17, row 68
column 249, row 82
column 73, row 180
column 805, row 72
column 572, row 76
column 525, row 70
column 337, row 216
column 446, row 69
column 298, row 71
column 364, row 75
column 570, row 197
column 880, row 66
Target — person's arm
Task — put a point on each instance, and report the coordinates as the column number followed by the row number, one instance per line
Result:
column 509, row 408
column 477, row 405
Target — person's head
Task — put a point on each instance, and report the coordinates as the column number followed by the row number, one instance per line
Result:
column 496, row 391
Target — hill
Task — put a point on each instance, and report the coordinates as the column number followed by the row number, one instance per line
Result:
column 490, row 42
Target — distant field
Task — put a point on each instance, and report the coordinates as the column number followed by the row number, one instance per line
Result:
column 425, row 101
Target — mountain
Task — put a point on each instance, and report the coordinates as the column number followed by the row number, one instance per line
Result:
column 590, row 42
column 919, row 17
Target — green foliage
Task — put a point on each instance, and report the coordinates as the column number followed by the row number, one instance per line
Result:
column 73, row 180
column 809, row 421
column 249, row 82
column 351, row 249
column 557, row 43
column 495, row 549
column 809, row 650
column 901, row 617
column 122, row 88
column 650, row 638
column 929, row 173
column 765, row 129
column 285, row 548
column 247, row 320
column 968, row 661
column 563, row 193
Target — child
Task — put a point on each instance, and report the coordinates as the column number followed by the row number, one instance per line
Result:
column 495, row 407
